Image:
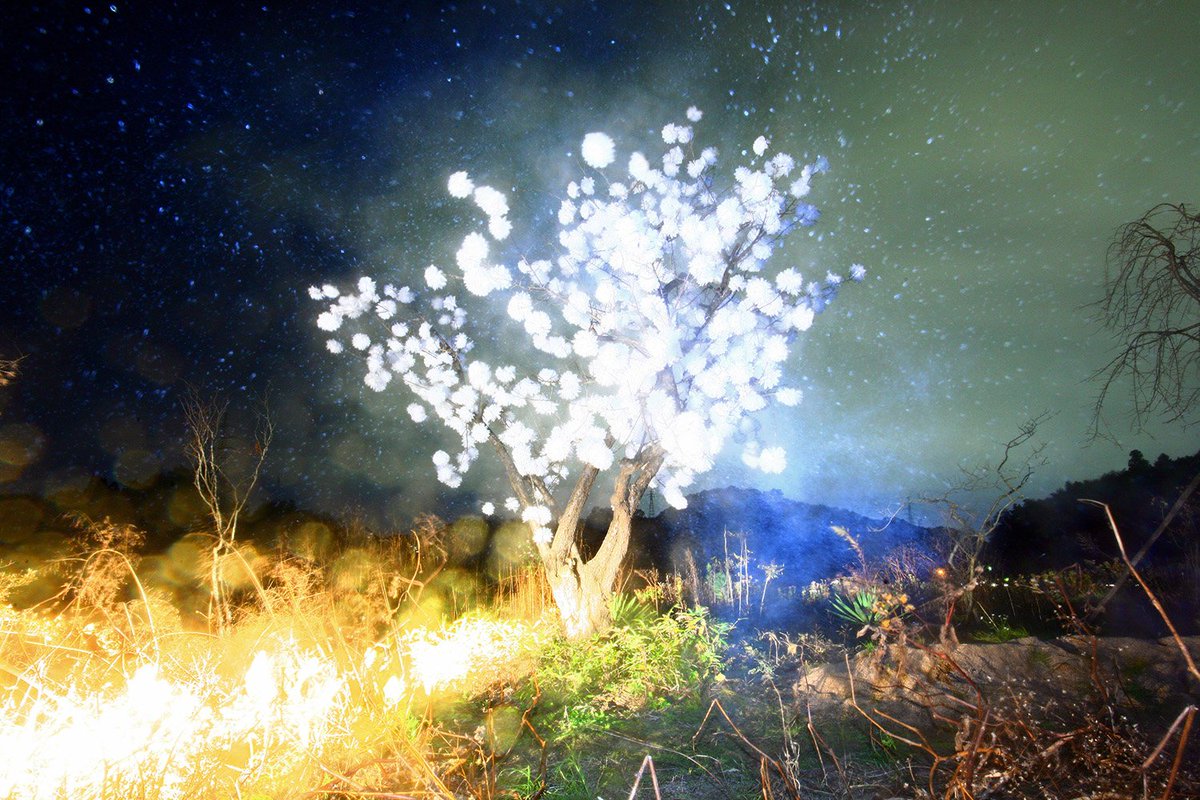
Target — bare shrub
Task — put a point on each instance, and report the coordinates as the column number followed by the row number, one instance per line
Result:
column 224, row 475
column 106, row 560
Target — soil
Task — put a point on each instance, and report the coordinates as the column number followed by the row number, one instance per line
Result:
column 1072, row 717
column 1143, row 675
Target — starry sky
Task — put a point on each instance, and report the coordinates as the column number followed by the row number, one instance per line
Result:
column 174, row 176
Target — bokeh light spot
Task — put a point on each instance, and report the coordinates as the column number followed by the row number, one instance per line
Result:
column 66, row 308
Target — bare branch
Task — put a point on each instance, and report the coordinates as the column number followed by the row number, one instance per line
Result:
column 1150, row 595
column 974, row 507
column 224, row 488
column 9, row 367
column 1151, row 305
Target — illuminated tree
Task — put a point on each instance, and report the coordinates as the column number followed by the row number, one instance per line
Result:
column 654, row 331
column 1152, row 304
column 224, row 479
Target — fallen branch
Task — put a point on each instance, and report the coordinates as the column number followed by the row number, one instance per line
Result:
column 766, row 763
column 648, row 761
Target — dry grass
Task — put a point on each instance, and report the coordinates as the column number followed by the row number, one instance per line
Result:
column 344, row 651
column 322, row 680
column 969, row 734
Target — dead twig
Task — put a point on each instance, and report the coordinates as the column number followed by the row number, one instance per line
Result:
column 1153, row 598
column 1188, row 714
column 647, row 762
column 766, row 763
column 1145, row 548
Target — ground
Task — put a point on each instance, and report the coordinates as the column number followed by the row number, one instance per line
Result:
column 1056, row 717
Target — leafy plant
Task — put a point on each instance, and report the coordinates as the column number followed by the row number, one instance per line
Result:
column 629, row 611
column 648, row 657
column 858, row 607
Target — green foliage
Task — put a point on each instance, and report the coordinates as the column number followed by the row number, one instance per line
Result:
column 999, row 630
column 628, row 611
column 644, row 657
column 885, row 748
column 716, row 578
column 857, row 608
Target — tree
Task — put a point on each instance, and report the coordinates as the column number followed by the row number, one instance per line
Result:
column 653, row 331
column 975, row 507
column 1151, row 304
column 224, row 474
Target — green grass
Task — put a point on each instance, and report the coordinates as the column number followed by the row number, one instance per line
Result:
column 999, row 631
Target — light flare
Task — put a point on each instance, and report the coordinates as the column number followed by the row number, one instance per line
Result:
column 172, row 728
column 472, row 650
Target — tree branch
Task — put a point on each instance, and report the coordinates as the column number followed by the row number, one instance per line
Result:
column 1151, row 304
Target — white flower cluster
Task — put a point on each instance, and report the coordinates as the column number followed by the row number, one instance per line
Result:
column 654, row 324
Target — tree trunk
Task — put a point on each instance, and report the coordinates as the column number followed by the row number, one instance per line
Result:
column 581, row 599
column 582, row 589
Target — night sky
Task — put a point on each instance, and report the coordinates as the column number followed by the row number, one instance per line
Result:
column 175, row 176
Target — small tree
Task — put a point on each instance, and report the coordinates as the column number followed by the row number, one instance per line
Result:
column 653, row 332
column 224, row 480
column 1151, row 304
column 975, row 507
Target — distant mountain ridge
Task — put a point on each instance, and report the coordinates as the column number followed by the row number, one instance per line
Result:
column 1038, row 534
column 795, row 535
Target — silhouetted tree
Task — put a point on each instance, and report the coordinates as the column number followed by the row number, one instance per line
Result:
column 1137, row 461
column 1152, row 305
column 973, row 508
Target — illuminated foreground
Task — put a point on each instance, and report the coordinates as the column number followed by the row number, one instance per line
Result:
column 268, row 710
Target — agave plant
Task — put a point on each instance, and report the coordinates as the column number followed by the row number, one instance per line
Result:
column 860, row 608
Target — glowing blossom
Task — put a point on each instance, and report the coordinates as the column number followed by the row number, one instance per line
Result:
column 772, row 460
column 598, row 150
column 460, row 185
column 654, row 326
column 491, row 201
column 434, row 278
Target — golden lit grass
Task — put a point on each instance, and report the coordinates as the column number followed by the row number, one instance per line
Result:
column 364, row 667
column 274, row 706
column 103, row 697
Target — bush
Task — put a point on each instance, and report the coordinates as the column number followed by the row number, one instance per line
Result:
column 645, row 657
